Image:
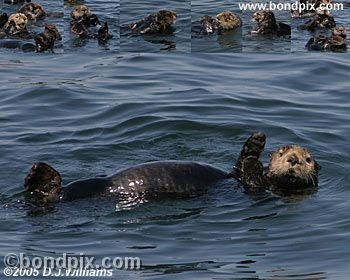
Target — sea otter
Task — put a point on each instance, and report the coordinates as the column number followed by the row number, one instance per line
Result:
column 16, row 25
column 223, row 21
column 46, row 40
column 338, row 39
column 33, row 11
column 208, row 25
column 87, row 25
column 321, row 20
column 266, row 24
column 159, row 22
column 336, row 42
column 228, row 20
column 291, row 167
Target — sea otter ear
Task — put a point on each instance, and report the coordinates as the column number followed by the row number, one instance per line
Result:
column 42, row 178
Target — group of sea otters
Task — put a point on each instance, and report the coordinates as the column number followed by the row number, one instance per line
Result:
column 85, row 24
column 327, row 35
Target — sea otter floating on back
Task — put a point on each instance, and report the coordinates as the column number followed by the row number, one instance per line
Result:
column 223, row 21
column 291, row 167
column 159, row 22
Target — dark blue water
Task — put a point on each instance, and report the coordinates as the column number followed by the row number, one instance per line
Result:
column 89, row 117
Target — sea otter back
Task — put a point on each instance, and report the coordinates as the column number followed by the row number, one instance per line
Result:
column 85, row 188
column 169, row 178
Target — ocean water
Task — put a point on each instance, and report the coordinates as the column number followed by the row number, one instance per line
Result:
column 91, row 116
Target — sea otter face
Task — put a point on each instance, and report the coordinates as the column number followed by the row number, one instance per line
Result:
column 16, row 23
column 264, row 17
column 292, row 167
column 339, row 31
column 207, row 25
column 228, row 20
column 168, row 17
column 79, row 12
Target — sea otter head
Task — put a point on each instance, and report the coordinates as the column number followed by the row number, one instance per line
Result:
column 52, row 31
column 339, row 31
column 265, row 17
column 166, row 16
column 293, row 167
column 42, row 184
column 16, row 23
column 208, row 24
column 228, row 20
column 80, row 12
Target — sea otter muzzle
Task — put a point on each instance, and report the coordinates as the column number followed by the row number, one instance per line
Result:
column 293, row 160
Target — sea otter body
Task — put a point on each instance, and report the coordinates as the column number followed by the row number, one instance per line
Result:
column 266, row 24
column 165, row 178
column 159, row 22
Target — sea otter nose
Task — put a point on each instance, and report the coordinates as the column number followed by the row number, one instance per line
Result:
column 293, row 160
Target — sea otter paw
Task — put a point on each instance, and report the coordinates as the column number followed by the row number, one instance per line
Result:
column 254, row 145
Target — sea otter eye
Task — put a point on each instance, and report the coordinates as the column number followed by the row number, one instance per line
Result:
column 308, row 160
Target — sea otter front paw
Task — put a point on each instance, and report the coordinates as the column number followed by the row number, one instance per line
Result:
column 254, row 145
